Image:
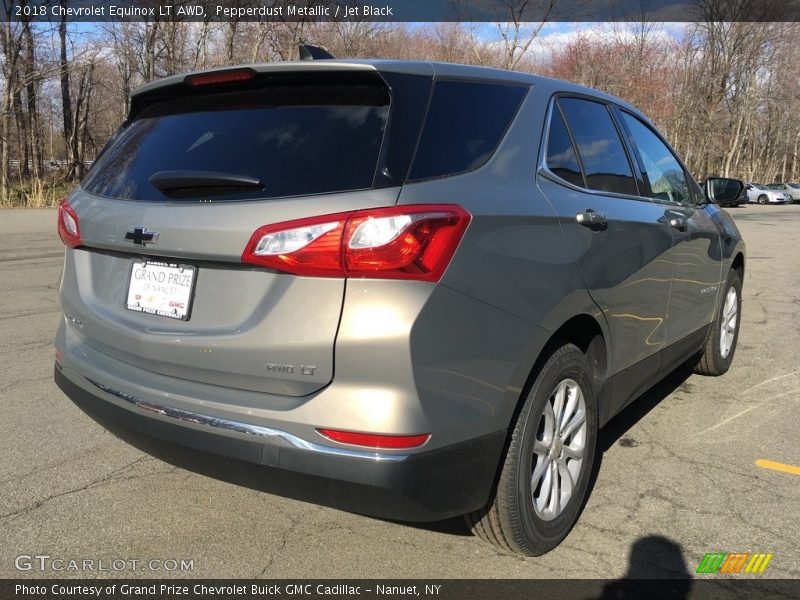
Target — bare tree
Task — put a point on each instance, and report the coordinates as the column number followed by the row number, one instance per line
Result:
column 11, row 42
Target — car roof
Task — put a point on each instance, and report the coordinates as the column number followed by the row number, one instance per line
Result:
column 413, row 67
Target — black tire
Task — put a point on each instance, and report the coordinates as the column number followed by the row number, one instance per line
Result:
column 762, row 199
column 713, row 361
column 509, row 521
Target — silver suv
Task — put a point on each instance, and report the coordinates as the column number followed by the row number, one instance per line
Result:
column 405, row 289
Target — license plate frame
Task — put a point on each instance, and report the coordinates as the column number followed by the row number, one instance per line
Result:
column 158, row 304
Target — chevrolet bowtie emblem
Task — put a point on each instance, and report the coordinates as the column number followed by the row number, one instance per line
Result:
column 141, row 236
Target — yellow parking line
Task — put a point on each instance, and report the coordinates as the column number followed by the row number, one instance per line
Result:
column 776, row 466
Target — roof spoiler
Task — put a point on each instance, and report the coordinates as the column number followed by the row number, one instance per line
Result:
column 309, row 52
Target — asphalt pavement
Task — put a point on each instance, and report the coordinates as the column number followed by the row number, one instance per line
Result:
column 678, row 475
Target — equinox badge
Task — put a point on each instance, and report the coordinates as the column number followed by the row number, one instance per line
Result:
column 141, row 236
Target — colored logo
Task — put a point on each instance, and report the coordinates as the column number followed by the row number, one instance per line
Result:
column 734, row 562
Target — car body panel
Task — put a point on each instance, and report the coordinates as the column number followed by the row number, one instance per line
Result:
column 243, row 319
column 697, row 272
column 450, row 358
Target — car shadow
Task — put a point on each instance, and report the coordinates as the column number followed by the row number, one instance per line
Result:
column 620, row 424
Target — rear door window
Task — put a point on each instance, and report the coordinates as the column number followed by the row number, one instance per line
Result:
column 466, row 121
column 293, row 139
column 605, row 162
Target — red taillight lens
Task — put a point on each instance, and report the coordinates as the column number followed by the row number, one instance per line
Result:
column 68, row 228
column 400, row 242
column 375, row 440
column 218, row 77
column 304, row 247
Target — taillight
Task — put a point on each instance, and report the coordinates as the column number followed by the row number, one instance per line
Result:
column 400, row 242
column 68, row 227
column 218, row 77
column 376, row 440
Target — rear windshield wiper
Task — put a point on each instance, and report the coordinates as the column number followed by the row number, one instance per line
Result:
column 205, row 181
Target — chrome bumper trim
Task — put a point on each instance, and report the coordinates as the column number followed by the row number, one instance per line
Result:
column 246, row 429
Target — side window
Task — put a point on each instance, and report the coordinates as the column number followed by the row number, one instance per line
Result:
column 605, row 162
column 561, row 158
column 465, row 123
column 662, row 169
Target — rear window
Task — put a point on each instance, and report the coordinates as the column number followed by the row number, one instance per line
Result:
column 465, row 123
column 293, row 140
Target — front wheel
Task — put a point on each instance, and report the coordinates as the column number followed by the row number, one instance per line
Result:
column 762, row 199
column 545, row 476
column 721, row 342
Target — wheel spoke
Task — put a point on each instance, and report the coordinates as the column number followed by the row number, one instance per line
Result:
column 729, row 302
column 545, row 490
column 577, row 420
column 574, row 451
column 541, row 464
column 569, row 409
column 555, row 490
column 540, row 447
column 549, row 423
column 558, row 404
column 567, row 482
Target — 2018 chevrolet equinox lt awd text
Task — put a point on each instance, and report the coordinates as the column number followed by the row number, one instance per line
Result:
column 410, row 290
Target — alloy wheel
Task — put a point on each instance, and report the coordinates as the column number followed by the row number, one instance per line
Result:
column 559, row 450
column 728, row 326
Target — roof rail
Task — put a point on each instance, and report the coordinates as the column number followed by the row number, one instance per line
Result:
column 309, row 52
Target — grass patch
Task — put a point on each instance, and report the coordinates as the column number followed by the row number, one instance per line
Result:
column 46, row 192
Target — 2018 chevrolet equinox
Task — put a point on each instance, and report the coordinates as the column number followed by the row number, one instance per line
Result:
column 411, row 290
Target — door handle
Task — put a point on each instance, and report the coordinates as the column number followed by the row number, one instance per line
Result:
column 591, row 219
column 678, row 222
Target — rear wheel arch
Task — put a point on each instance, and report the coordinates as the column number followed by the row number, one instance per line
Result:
column 505, row 521
column 585, row 332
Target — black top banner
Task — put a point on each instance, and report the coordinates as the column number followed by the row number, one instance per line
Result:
column 400, row 10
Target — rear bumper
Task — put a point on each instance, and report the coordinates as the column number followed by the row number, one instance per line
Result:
column 425, row 486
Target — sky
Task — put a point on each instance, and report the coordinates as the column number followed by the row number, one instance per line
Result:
column 551, row 36
column 555, row 34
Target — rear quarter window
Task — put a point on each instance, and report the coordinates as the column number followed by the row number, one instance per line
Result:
column 465, row 122
column 561, row 158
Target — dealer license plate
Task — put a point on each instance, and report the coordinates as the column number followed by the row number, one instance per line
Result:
column 160, row 288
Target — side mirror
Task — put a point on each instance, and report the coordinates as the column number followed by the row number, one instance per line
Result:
column 721, row 190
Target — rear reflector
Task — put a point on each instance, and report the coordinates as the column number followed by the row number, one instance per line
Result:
column 68, row 228
column 218, row 77
column 399, row 242
column 373, row 440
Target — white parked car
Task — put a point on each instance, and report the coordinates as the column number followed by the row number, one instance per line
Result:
column 763, row 195
column 793, row 189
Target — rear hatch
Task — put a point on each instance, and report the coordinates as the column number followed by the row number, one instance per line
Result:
column 169, row 207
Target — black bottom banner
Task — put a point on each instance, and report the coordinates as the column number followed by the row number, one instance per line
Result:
column 401, row 589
